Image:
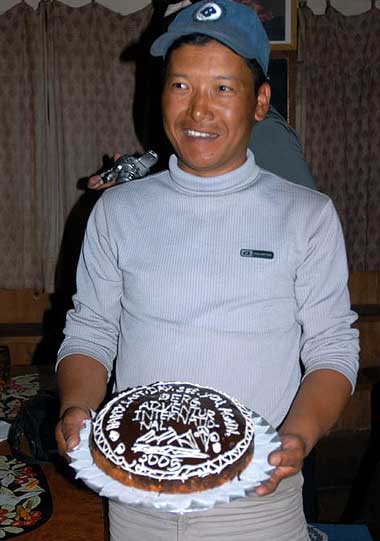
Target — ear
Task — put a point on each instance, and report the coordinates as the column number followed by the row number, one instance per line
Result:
column 262, row 102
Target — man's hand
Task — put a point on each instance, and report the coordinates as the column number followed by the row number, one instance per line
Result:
column 96, row 183
column 288, row 461
column 68, row 428
column 312, row 415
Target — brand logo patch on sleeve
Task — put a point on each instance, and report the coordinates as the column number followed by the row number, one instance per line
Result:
column 261, row 254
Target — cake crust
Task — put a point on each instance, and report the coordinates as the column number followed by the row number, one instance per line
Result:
column 172, row 438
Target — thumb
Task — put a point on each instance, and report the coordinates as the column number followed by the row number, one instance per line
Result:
column 71, row 424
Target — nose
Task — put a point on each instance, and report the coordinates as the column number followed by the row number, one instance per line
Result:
column 200, row 107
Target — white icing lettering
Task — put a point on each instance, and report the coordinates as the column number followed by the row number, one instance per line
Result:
column 175, row 465
column 115, row 417
column 231, row 425
column 112, row 425
column 114, row 435
column 218, row 400
column 163, row 450
column 216, row 447
column 120, row 449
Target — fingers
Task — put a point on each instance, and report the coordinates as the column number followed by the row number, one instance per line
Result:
column 271, row 484
column 96, row 183
column 68, row 428
column 291, row 454
column 288, row 461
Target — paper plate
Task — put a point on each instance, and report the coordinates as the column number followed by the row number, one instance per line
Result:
column 258, row 471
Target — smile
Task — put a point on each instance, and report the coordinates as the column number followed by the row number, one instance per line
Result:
column 201, row 134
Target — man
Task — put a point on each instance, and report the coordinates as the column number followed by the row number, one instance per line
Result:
column 215, row 272
column 275, row 144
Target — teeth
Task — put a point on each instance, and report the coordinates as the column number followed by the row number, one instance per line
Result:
column 204, row 135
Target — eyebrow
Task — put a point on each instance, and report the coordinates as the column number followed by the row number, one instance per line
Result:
column 221, row 77
column 177, row 74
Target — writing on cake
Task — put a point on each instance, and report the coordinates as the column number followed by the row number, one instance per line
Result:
column 173, row 431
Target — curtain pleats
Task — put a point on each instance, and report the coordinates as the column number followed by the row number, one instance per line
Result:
column 21, row 97
column 67, row 99
column 339, row 96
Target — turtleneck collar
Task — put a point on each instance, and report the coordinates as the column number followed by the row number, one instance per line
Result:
column 229, row 182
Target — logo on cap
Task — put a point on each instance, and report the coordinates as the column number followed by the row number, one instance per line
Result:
column 208, row 12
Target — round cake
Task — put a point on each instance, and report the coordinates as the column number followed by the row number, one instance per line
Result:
column 172, row 438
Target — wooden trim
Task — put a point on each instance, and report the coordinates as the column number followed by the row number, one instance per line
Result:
column 292, row 45
column 20, row 329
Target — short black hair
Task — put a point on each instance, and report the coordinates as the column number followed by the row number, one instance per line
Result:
column 259, row 77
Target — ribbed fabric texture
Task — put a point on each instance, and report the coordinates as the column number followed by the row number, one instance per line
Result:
column 177, row 279
column 276, row 517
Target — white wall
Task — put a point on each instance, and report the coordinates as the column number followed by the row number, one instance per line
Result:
column 348, row 7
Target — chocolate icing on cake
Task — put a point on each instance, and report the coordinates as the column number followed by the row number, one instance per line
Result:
column 173, row 437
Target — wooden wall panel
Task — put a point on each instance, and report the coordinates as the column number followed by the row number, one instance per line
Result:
column 22, row 306
column 364, row 288
column 369, row 328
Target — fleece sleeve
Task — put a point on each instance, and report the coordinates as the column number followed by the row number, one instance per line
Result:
column 92, row 326
column 328, row 340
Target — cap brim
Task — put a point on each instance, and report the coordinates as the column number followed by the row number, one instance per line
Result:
column 162, row 44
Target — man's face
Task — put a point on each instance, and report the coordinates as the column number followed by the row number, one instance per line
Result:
column 208, row 105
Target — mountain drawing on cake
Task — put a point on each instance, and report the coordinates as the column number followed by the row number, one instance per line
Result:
column 169, row 443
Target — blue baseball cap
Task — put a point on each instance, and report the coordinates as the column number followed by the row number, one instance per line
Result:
column 233, row 24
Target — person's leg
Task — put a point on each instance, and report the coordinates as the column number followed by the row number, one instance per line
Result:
column 277, row 517
column 137, row 524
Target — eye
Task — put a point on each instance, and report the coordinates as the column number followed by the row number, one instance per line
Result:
column 178, row 85
column 224, row 89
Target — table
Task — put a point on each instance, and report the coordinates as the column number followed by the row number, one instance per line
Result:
column 78, row 513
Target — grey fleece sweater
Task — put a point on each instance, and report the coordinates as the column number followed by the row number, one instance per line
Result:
column 223, row 281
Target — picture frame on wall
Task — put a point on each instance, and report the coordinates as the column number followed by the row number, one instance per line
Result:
column 279, row 18
column 282, row 79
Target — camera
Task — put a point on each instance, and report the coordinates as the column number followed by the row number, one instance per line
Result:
column 128, row 168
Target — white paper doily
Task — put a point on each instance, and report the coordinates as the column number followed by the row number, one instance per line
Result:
column 258, row 471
